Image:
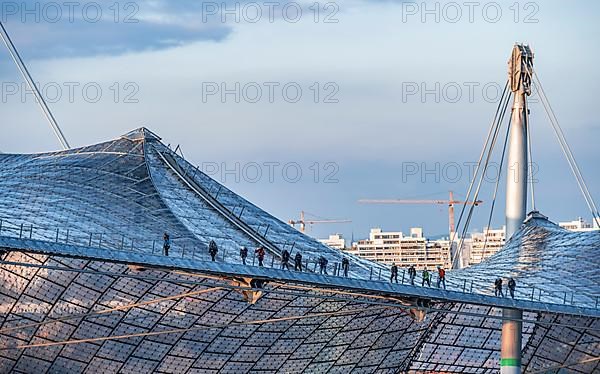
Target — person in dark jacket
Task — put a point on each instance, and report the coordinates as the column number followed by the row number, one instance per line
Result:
column 244, row 254
column 412, row 274
column 394, row 273
column 213, row 250
column 166, row 244
column 512, row 285
column 285, row 259
column 498, row 287
column 298, row 262
column 345, row 266
column 323, row 265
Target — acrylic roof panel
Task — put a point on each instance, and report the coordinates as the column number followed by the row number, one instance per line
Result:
column 127, row 192
column 370, row 340
column 548, row 262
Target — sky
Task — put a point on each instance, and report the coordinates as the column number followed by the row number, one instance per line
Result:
column 313, row 106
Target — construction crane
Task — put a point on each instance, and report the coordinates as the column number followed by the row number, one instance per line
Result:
column 302, row 222
column 450, row 202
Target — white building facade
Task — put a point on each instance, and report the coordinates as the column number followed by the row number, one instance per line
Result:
column 389, row 247
column 482, row 245
column 395, row 247
column 335, row 241
column 579, row 225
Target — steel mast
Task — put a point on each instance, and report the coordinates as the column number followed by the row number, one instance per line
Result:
column 520, row 68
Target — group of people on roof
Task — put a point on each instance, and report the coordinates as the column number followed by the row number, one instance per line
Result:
column 425, row 276
column 322, row 261
column 512, row 285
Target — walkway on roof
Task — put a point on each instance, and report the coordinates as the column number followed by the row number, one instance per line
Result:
column 306, row 278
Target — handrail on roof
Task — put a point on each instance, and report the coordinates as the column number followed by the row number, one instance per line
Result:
column 120, row 243
column 220, row 208
column 320, row 280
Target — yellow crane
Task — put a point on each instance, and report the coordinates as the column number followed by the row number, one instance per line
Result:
column 450, row 202
column 303, row 222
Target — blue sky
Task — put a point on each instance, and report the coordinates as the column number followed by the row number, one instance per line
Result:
column 162, row 64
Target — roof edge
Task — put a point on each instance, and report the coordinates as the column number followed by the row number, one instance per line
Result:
column 141, row 133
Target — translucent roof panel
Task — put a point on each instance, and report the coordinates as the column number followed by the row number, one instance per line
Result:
column 125, row 194
column 61, row 314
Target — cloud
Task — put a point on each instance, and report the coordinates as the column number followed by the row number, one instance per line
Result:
column 49, row 29
column 70, row 29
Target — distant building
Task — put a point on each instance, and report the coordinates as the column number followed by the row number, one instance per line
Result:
column 439, row 251
column 579, row 225
column 335, row 241
column 482, row 245
column 415, row 249
column 395, row 247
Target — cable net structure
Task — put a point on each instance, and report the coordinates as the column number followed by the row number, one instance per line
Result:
column 63, row 311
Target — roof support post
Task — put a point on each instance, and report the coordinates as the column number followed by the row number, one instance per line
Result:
column 510, row 351
column 516, row 180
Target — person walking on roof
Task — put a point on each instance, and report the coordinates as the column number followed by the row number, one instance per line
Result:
column 512, row 285
column 166, row 244
column 244, row 254
column 412, row 274
column 498, row 287
column 323, row 265
column 441, row 277
column 394, row 273
column 213, row 250
column 298, row 262
column 426, row 278
column 345, row 266
column 285, row 259
column 260, row 254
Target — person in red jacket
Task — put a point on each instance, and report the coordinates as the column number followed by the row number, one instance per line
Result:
column 441, row 277
column 260, row 254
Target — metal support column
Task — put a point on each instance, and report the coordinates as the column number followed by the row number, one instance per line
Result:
column 516, row 181
column 510, row 353
column 520, row 68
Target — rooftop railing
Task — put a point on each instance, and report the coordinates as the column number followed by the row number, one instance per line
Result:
column 113, row 241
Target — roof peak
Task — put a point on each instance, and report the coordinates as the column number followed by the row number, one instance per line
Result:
column 141, row 133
